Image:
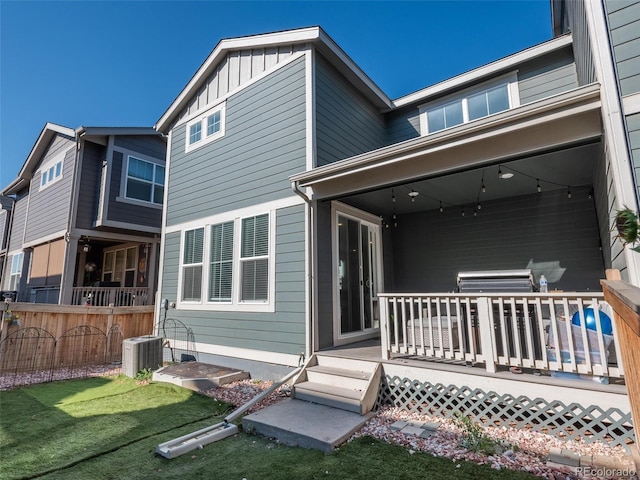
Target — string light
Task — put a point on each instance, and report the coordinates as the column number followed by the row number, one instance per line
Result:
column 462, row 212
column 568, row 192
column 538, row 187
column 441, row 207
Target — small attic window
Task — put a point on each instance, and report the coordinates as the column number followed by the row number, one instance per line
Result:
column 206, row 127
column 51, row 172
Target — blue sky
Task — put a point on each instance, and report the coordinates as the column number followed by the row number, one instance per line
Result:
column 121, row 63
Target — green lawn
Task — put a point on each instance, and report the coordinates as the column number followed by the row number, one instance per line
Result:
column 108, row 428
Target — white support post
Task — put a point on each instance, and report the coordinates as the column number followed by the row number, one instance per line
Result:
column 384, row 327
column 485, row 326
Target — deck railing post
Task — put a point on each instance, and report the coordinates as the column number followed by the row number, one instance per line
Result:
column 384, row 330
column 485, row 326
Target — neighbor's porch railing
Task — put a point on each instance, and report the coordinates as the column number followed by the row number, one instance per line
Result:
column 529, row 330
column 111, row 296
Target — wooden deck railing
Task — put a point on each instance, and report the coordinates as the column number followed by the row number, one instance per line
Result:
column 548, row 332
column 111, row 296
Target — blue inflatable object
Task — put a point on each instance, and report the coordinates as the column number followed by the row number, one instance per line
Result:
column 590, row 319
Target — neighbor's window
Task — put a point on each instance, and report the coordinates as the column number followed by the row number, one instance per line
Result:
column 472, row 104
column 254, row 259
column 145, row 181
column 51, row 174
column 206, row 127
column 16, row 271
column 192, row 265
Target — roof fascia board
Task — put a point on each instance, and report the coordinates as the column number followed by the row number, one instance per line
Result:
column 265, row 40
column 589, row 95
column 492, row 68
column 102, row 131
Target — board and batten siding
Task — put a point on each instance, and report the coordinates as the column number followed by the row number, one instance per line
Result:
column 623, row 19
column 49, row 208
column 235, row 70
column 280, row 332
column 89, row 185
column 547, row 76
column 16, row 234
column 4, row 225
column 264, row 143
column 125, row 212
column 346, row 122
column 430, row 248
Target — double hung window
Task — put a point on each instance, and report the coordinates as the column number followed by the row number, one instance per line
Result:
column 192, row 256
column 16, row 271
column 145, row 181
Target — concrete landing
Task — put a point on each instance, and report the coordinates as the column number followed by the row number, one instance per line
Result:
column 299, row 423
column 198, row 376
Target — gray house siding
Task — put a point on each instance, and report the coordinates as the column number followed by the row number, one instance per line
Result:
column 49, row 207
column 279, row 332
column 402, row 124
column 264, row 143
column 575, row 21
column 324, row 275
column 624, row 30
column 4, row 225
column 89, row 185
column 543, row 227
column 547, row 76
column 122, row 211
column 346, row 123
column 16, row 234
column 633, row 127
column 150, row 146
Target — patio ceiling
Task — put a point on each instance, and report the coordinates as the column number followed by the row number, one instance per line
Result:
column 555, row 140
column 560, row 169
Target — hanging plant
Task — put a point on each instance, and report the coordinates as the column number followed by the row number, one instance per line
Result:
column 628, row 227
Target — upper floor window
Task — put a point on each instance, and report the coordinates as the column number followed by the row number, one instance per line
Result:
column 145, row 181
column 51, row 174
column 206, row 127
column 474, row 103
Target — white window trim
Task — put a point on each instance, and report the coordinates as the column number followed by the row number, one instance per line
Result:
column 44, row 170
column 510, row 79
column 15, row 274
column 236, row 305
column 202, row 119
column 122, row 196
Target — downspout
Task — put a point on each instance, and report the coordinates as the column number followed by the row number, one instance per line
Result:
column 310, row 333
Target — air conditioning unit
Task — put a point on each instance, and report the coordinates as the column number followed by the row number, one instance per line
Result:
column 139, row 353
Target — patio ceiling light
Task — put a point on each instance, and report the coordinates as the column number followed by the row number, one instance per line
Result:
column 504, row 175
column 413, row 194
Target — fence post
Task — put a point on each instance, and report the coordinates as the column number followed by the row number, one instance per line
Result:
column 486, row 334
column 384, row 327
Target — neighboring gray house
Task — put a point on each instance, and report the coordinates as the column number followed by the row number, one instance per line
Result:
column 388, row 195
column 86, row 217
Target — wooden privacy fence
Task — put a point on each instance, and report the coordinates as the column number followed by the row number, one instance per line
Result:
column 40, row 338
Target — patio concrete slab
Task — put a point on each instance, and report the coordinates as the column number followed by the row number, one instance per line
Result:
column 305, row 424
column 198, row 376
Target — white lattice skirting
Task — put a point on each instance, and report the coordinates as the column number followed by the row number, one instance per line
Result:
column 568, row 422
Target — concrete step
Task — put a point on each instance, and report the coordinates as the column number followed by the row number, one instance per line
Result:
column 349, row 399
column 298, row 423
column 338, row 377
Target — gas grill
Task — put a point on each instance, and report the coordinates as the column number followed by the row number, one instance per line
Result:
column 496, row 281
